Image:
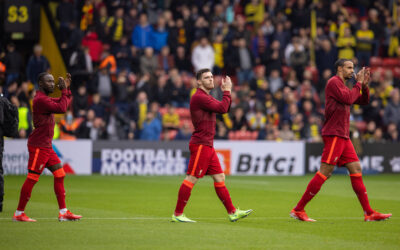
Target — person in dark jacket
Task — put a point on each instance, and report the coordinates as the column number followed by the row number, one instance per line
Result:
column 9, row 128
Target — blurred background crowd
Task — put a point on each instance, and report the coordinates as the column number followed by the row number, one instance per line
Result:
column 133, row 65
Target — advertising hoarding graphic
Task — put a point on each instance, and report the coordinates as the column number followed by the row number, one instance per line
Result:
column 224, row 156
column 116, row 161
column 264, row 158
column 375, row 158
column 75, row 156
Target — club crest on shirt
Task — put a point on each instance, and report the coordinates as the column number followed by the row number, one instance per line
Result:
column 335, row 159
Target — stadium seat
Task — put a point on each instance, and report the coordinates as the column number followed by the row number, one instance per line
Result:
column 232, row 135
column 183, row 113
column 375, row 61
column 361, row 126
column 396, row 72
column 163, row 110
column 391, row 62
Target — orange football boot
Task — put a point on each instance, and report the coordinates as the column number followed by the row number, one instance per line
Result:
column 300, row 215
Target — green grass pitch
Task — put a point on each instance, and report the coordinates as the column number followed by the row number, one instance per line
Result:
column 131, row 212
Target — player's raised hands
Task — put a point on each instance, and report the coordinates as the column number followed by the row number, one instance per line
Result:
column 226, row 84
column 61, row 83
column 360, row 75
column 68, row 80
column 367, row 76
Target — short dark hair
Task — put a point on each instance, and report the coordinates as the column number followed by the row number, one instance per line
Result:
column 41, row 75
column 201, row 72
column 340, row 62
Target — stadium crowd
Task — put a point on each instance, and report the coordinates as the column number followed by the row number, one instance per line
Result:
column 133, row 65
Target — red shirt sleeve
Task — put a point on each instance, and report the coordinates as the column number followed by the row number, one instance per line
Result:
column 55, row 105
column 342, row 94
column 364, row 98
column 208, row 103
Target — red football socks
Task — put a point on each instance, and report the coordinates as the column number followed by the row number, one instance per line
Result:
column 361, row 191
column 312, row 189
column 223, row 195
column 26, row 191
column 60, row 191
column 183, row 196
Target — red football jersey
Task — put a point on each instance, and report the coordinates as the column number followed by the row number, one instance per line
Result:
column 338, row 99
column 43, row 119
column 203, row 109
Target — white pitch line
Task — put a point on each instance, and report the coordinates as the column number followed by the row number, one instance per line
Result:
column 168, row 218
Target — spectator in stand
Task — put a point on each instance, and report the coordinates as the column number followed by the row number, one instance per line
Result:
column 259, row 45
column 258, row 79
column 286, row 134
column 165, row 60
column 185, row 132
column 254, row 12
column 65, row 14
column 203, row 55
column 80, row 102
column 148, row 62
column 94, row 44
column 218, row 46
column 122, row 91
column 72, row 41
column 299, row 61
column 377, row 27
column 123, row 55
column 178, row 92
column 115, row 26
column 257, row 121
column 98, row 106
column 312, row 129
column 281, row 35
column 151, row 128
column 68, row 126
column 37, row 64
column 170, row 120
column 392, row 133
column 160, row 93
column 92, row 128
column 272, row 58
column 101, row 84
column 365, row 40
column 369, row 132
column 346, row 45
column 275, row 81
column 244, row 62
column 159, row 36
column 24, row 116
column 181, row 61
column 108, row 61
column 326, row 56
column 100, row 23
column 239, row 121
column 14, row 64
column 141, row 35
column 392, row 109
column 298, row 126
column 87, row 15
column 130, row 20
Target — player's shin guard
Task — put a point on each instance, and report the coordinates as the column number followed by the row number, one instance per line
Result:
column 361, row 192
column 312, row 189
column 26, row 190
column 223, row 195
column 183, row 196
column 59, row 175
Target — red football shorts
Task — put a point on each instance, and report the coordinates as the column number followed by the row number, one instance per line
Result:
column 203, row 161
column 40, row 158
column 338, row 151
